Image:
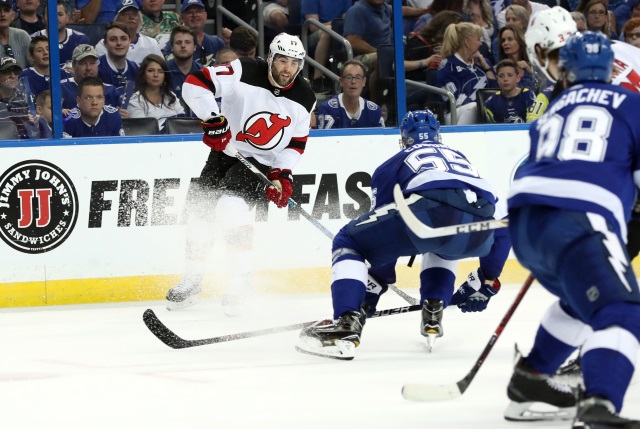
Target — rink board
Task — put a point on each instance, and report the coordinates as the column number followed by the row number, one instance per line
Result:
column 128, row 200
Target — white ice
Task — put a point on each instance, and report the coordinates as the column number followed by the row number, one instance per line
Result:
column 97, row 366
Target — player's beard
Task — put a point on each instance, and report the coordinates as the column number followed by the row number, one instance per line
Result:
column 283, row 82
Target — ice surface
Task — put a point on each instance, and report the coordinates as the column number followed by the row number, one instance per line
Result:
column 97, row 366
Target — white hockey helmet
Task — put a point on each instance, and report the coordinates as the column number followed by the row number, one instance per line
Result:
column 289, row 46
column 550, row 30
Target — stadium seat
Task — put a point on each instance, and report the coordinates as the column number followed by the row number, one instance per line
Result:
column 140, row 126
column 183, row 126
column 8, row 130
column 482, row 95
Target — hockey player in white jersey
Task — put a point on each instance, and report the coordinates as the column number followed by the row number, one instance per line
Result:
column 569, row 206
column 267, row 114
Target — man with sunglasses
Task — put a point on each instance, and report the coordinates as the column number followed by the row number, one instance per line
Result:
column 14, row 42
column 349, row 109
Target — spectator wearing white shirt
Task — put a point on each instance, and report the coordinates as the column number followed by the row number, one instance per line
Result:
column 152, row 95
column 532, row 8
column 130, row 15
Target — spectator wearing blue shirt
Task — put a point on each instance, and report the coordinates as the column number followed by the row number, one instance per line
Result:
column 183, row 47
column 68, row 39
column 194, row 16
column 115, row 69
column 92, row 118
column 97, row 11
column 367, row 25
column 325, row 12
column 84, row 64
column 349, row 109
column 38, row 74
column 626, row 11
column 511, row 104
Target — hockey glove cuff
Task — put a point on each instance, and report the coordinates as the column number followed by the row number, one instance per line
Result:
column 475, row 293
column 282, row 187
column 216, row 133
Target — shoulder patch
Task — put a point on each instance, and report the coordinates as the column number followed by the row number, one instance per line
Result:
column 110, row 109
column 74, row 113
column 371, row 105
column 443, row 63
column 333, row 102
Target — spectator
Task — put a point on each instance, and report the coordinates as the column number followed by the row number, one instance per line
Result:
column 153, row 96
column 92, row 118
column 481, row 14
column 85, row 64
column 581, row 21
column 41, row 124
column 367, row 25
column 349, row 109
column 531, row 7
column 464, row 70
column 95, row 11
column 38, row 74
column 598, row 17
column 14, row 42
column 114, row 68
column 27, row 18
column 517, row 16
column 68, row 39
column 511, row 104
column 276, row 15
column 436, row 7
column 183, row 44
column 156, row 23
column 244, row 42
column 325, row 12
column 626, row 11
column 631, row 32
column 13, row 99
column 194, row 16
column 225, row 55
column 513, row 47
column 130, row 16
column 426, row 44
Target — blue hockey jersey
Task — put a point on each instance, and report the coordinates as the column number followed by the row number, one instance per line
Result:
column 509, row 110
column 592, row 130
column 424, row 166
column 332, row 114
column 462, row 79
column 109, row 124
column 66, row 47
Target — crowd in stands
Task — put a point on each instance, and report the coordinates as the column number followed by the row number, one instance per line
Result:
column 135, row 68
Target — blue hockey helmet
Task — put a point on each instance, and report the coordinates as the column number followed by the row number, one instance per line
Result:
column 418, row 126
column 587, row 56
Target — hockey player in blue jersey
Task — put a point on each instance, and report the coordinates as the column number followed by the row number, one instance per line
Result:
column 568, row 209
column 443, row 188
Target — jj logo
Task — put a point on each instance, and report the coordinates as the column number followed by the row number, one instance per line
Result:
column 38, row 206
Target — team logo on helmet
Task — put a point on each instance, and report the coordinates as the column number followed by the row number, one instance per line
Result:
column 264, row 130
column 38, row 206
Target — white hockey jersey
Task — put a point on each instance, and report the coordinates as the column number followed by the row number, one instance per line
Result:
column 267, row 123
column 626, row 66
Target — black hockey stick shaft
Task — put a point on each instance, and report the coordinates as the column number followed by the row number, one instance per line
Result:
column 168, row 337
column 464, row 383
column 293, row 204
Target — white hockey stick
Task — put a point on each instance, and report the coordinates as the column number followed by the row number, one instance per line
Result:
column 411, row 300
column 445, row 392
column 424, row 231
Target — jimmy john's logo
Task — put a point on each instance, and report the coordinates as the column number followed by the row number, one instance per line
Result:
column 264, row 130
column 38, row 206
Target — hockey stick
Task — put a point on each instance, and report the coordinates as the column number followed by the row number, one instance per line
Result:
column 168, row 337
column 411, row 300
column 444, row 392
column 424, row 231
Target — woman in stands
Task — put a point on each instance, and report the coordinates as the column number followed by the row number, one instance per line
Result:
column 513, row 47
column 597, row 14
column 516, row 16
column 480, row 13
column 631, row 32
column 464, row 70
column 152, row 95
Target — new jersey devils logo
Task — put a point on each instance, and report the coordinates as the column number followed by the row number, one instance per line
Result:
column 264, row 130
column 38, row 206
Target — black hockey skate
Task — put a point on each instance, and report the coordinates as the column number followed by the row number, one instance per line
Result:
column 599, row 413
column 336, row 340
column 431, row 325
column 570, row 373
column 184, row 294
column 535, row 396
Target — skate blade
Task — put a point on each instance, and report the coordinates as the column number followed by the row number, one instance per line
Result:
column 173, row 306
column 431, row 336
column 343, row 350
column 537, row 411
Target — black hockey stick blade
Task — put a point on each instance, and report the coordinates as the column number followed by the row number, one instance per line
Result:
column 168, row 337
column 445, row 392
